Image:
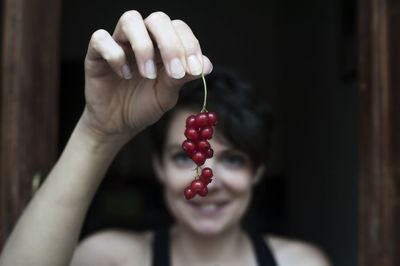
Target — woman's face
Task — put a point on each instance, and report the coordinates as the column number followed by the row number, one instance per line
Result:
column 228, row 194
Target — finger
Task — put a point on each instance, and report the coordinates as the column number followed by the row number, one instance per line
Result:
column 191, row 45
column 171, row 50
column 167, row 89
column 207, row 65
column 103, row 47
column 131, row 29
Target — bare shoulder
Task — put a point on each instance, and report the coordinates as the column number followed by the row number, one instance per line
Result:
column 113, row 247
column 292, row 252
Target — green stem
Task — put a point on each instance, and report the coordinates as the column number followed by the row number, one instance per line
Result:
column 205, row 93
column 197, row 171
column 198, row 168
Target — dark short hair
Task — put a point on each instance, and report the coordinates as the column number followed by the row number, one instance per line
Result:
column 244, row 119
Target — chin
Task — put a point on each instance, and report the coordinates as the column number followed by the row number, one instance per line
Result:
column 208, row 219
column 204, row 227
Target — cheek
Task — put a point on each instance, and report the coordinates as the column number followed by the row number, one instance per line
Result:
column 238, row 181
column 176, row 180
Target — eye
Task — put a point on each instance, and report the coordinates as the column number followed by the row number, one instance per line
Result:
column 234, row 160
column 182, row 159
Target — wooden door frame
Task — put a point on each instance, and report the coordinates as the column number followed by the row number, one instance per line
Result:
column 379, row 172
column 29, row 111
column 28, row 102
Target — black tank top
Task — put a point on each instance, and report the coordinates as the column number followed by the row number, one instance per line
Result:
column 161, row 249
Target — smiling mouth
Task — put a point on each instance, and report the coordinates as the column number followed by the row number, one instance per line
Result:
column 208, row 208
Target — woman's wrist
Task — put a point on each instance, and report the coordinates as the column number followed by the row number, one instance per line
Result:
column 99, row 142
column 96, row 143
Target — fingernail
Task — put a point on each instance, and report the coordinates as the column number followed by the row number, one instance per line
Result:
column 194, row 65
column 126, row 72
column 206, row 62
column 176, row 68
column 150, row 69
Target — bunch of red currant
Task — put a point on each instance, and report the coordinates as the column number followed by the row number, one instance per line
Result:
column 199, row 129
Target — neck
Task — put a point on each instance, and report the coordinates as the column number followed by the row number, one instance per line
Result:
column 192, row 247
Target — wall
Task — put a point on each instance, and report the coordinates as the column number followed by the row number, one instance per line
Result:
column 319, row 103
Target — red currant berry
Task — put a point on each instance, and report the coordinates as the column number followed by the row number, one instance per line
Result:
column 205, row 180
column 212, row 118
column 191, row 134
column 209, row 153
column 203, row 145
column 199, row 158
column 206, row 175
column 206, row 133
column 201, row 120
column 196, row 185
column 191, row 121
column 203, row 192
column 189, row 193
column 189, row 146
column 207, row 172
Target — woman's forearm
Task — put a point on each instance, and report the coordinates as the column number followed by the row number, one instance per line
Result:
column 49, row 228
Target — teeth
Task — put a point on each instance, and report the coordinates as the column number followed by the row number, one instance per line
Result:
column 208, row 207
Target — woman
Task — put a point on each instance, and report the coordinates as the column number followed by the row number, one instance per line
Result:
column 132, row 78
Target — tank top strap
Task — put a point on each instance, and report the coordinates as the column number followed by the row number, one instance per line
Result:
column 262, row 250
column 161, row 247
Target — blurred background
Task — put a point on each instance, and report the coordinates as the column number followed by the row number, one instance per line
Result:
column 302, row 57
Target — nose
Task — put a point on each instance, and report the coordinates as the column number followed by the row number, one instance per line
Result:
column 216, row 183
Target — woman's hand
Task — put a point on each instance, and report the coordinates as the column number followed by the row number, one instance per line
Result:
column 133, row 76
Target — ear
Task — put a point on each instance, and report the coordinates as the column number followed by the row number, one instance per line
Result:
column 158, row 168
column 259, row 173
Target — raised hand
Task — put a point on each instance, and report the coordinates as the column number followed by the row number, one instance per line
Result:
column 133, row 76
